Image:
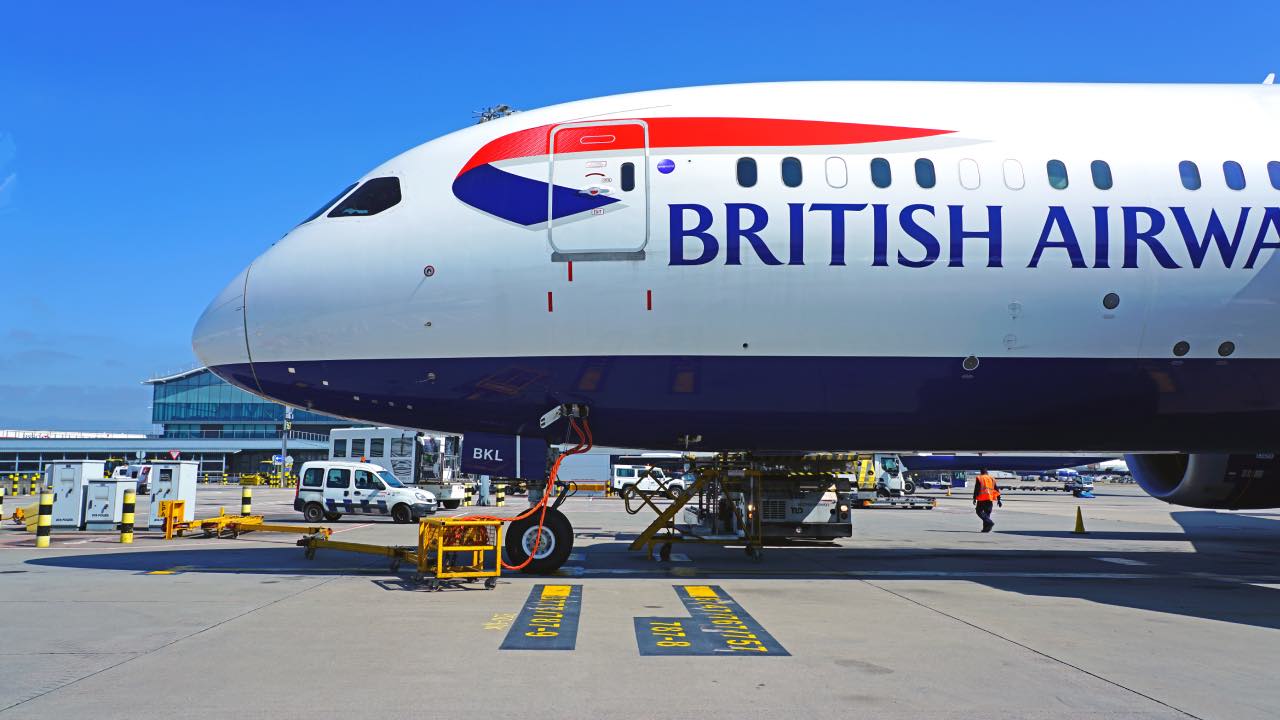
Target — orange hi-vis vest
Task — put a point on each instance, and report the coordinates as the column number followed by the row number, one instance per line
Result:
column 987, row 489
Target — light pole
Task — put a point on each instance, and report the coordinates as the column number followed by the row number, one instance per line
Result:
column 284, row 443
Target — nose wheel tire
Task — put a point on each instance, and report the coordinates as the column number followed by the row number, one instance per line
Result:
column 553, row 549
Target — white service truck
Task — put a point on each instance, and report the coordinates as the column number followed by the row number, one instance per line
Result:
column 881, row 480
column 415, row 458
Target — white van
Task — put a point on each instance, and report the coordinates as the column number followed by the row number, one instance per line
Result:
column 630, row 475
column 329, row 489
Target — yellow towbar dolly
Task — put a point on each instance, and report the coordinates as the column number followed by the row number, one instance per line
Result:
column 447, row 549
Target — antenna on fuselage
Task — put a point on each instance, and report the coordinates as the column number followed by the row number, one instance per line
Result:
column 493, row 113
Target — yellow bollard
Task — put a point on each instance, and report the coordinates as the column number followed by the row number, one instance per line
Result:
column 126, row 516
column 2, row 493
column 466, row 498
column 501, row 495
column 1079, row 522
column 246, row 501
column 44, row 523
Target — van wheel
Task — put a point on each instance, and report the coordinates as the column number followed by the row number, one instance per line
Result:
column 332, row 517
column 401, row 514
column 313, row 512
column 909, row 487
column 554, row 548
column 451, row 504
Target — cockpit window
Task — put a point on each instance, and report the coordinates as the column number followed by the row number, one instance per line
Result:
column 370, row 199
column 329, row 204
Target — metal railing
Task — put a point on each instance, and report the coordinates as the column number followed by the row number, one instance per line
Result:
column 239, row 435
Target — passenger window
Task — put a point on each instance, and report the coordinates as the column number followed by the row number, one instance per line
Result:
column 1190, row 175
column 881, row 175
column 1101, row 174
column 1014, row 179
column 628, row 179
column 339, row 448
column 370, row 198
column 626, row 472
column 366, row 480
column 746, row 172
column 838, row 172
column 401, row 447
column 1273, row 170
column 1057, row 174
column 1234, row 174
column 338, row 478
column 970, row 178
column 377, row 447
column 329, row 204
column 357, row 448
column 313, row 477
column 792, row 173
column 926, row 177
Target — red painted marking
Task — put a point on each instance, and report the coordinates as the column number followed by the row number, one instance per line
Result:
column 694, row 132
column 648, row 299
column 570, row 271
column 550, row 307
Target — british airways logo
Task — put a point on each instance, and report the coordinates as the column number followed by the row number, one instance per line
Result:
column 921, row 235
column 486, row 182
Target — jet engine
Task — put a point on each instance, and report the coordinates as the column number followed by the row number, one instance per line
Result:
column 1206, row 480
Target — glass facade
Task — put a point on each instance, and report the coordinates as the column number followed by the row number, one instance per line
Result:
column 187, row 406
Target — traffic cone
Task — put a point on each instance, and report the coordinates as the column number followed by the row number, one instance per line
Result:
column 1079, row 522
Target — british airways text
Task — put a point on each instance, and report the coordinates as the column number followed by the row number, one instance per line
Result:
column 1099, row 237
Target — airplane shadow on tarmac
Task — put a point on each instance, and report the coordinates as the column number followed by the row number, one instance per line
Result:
column 1232, row 550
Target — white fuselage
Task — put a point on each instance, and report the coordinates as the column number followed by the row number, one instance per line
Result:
column 843, row 313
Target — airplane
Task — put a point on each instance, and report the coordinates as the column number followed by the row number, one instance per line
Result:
column 1015, row 267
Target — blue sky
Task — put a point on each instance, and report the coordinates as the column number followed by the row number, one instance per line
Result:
column 148, row 151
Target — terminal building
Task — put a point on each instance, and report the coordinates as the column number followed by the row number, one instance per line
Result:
column 197, row 415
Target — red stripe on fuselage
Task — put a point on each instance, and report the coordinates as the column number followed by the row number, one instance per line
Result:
column 701, row 132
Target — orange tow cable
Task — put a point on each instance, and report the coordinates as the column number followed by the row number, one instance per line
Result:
column 584, row 444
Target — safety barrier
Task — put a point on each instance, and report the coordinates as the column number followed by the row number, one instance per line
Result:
column 447, row 549
column 126, row 516
column 44, row 523
column 23, row 484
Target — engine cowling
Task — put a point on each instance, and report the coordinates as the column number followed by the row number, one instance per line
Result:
column 1204, row 480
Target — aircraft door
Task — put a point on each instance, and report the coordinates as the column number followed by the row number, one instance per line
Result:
column 598, row 201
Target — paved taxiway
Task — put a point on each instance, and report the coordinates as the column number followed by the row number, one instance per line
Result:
column 1158, row 612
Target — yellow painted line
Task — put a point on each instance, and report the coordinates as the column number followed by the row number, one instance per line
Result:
column 553, row 591
column 701, row 591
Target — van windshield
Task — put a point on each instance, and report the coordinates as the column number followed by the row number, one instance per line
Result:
column 389, row 479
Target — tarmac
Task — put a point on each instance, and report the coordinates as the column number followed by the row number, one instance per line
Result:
column 1156, row 612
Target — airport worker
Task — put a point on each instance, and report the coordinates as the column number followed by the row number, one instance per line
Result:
column 985, row 495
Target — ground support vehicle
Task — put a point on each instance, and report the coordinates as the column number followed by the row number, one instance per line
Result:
column 429, row 462
column 644, row 478
column 879, row 481
column 448, row 550
column 331, row 488
column 753, row 501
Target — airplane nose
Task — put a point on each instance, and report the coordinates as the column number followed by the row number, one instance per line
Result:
column 219, row 336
